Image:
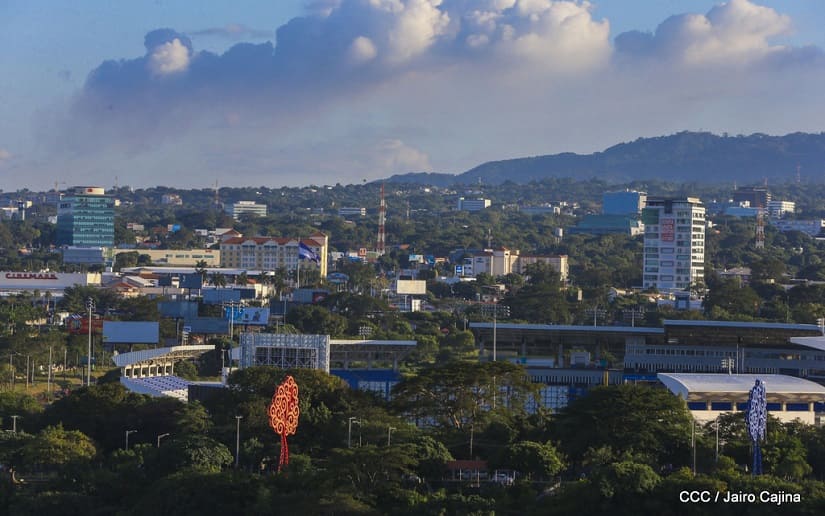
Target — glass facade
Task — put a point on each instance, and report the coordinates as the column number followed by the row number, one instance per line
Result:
column 86, row 220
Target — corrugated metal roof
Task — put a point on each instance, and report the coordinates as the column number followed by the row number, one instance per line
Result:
column 687, row 385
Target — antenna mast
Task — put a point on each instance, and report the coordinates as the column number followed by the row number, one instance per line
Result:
column 382, row 220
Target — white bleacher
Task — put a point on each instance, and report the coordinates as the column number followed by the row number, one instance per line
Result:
column 173, row 386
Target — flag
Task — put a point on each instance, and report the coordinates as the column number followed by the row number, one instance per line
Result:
column 305, row 253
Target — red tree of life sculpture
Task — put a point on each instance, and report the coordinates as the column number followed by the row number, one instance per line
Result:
column 283, row 415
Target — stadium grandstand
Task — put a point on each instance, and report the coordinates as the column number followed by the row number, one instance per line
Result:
column 152, row 371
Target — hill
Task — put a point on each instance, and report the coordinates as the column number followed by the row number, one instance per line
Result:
column 682, row 157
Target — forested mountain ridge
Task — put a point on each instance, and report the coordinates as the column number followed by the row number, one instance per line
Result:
column 684, row 156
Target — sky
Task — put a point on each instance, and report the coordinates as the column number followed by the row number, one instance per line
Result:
column 294, row 92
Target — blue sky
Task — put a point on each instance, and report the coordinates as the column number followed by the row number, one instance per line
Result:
column 362, row 89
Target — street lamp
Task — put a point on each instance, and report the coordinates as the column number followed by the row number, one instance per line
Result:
column 237, row 439
column 353, row 419
column 90, row 305
column 389, row 434
column 127, row 437
column 161, row 436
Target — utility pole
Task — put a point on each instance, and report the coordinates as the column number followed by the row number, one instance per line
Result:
column 90, row 304
column 237, row 440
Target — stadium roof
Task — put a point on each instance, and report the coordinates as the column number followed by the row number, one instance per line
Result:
column 567, row 328
column 171, row 353
column 751, row 325
column 736, row 387
column 817, row 343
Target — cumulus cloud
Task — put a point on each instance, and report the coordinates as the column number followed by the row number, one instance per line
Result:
column 483, row 79
column 737, row 32
column 170, row 57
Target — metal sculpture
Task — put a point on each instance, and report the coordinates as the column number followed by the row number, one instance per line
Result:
column 283, row 415
column 756, row 420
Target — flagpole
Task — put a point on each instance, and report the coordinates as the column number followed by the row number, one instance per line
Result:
column 298, row 266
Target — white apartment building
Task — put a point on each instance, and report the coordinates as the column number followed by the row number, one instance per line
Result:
column 241, row 207
column 674, row 244
column 778, row 209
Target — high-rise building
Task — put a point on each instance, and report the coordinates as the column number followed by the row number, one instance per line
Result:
column 674, row 244
column 86, row 218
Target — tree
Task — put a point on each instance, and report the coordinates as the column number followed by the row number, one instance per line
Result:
column 460, row 397
column 651, row 425
column 193, row 452
column 534, row 459
column 55, row 447
column 316, row 320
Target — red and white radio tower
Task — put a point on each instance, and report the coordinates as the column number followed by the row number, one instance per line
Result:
column 382, row 220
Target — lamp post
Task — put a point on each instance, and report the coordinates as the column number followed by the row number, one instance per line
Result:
column 161, row 436
column 90, row 305
column 127, row 437
column 237, row 439
column 352, row 419
column 389, row 434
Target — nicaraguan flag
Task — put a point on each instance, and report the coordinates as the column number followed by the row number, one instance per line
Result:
column 305, row 253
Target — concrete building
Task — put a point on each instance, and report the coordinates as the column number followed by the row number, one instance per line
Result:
column 86, row 218
column 239, row 208
column 778, row 209
column 674, row 244
column 178, row 257
column 503, row 261
column 270, row 253
column 754, row 196
column 628, row 202
column 607, row 224
column 558, row 262
column 812, row 227
column 350, row 212
column 472, row 204
column 171, row 199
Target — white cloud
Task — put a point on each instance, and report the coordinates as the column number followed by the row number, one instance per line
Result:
column 169, row 58
column 737, row 32
column 472, row 79
column 362, row 50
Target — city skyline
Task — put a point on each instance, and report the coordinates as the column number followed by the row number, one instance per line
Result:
column 301, row 93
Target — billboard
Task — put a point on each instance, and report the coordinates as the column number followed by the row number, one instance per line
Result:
column 45, row 280
column 191, row 281
column 667, row 230
column 208, row 325
column 216, row 296
column 130, row 332
column 411, row 287
column 178, row 309
column 247, row 315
